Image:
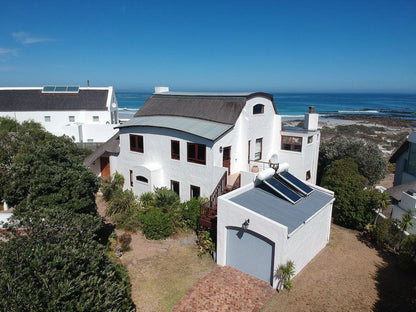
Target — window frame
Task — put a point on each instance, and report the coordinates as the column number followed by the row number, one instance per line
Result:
column 196, row 188
column 256, row 107
column 137, row 140
column 71, row 118
column 95, row 118
column 142, row 179
column 196, row 160
column 47, row 118
column 172, row 183
column 258, row 154
column 292, row 146
column 176, row 156
column 308, row 175
column 131, row 177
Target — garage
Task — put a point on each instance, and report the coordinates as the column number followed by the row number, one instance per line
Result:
column 250, row 253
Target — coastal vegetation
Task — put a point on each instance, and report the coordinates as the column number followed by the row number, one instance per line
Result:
column 53, row 252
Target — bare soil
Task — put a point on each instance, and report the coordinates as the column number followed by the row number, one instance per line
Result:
column 348, row 275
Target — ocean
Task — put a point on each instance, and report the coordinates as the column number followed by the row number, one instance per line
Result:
column 295, row 105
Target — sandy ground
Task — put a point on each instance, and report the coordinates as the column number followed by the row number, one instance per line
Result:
column 347, row 276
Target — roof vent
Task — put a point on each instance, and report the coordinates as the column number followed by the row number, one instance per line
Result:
column 161, row 89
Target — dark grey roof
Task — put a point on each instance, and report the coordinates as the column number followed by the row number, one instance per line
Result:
column 112, row 146
column 219, row 108
column 203, row 128
column 17, row 100
column 280, row 210
column 397, row 191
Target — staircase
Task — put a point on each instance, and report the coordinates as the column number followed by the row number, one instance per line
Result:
column 208, row 210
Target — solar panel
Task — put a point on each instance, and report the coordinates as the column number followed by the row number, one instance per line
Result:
column 295, row 182
column 283, row 190
column 73, row 89
column 60, row 89
column 48, row 88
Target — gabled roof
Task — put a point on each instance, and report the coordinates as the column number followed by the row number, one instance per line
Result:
column 203, row 128
column 32, row 99
column 112, row 146
column 399, row 152
column 218, row 107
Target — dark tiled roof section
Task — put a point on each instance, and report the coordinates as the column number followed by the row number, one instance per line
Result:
column 35, row 100
column 397, row 191
column 222, row 109
column 403, row 148
column 112, row 146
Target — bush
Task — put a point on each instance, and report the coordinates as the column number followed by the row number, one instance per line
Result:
column 155, row 224
column 109, row 186
column 125, row 240
column 146, row 199
column 122, row 202
column 385, row 233
column 165, row 199
column 352, row 206
column 205, row 243
column 190, row 211
column 285, row 273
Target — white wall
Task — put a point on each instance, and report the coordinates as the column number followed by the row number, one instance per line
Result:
column 157, row 153
column 232, row 214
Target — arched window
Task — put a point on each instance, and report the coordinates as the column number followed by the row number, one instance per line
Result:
column 258, row 109
column 142, row 179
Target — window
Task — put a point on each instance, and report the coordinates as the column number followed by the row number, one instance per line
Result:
column 90, row 140
column 47, row 118
column 95, row 118
column 258, row 109
column 197, row 153
column 71, row 118
column 291, row 143
column 136, row 143
column 195, row 191
column 310, row 139
column 259, row 148
column 174, row 186
column 174, row 149
column 308, row 175
column 142, row 179
column 131, row 177
column 248, row 152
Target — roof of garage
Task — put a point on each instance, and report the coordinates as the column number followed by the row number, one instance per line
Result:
column 280, row 210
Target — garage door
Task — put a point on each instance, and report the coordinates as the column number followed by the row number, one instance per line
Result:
column 250, row 253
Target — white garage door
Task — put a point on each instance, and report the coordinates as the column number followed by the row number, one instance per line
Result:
column 250, row 253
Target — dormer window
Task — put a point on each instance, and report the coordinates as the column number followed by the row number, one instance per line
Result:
column 258, row 109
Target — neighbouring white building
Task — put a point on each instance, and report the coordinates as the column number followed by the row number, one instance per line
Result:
column 192, row 142
column 272, row 220
column 86, row 114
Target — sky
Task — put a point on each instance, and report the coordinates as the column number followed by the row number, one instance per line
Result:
column 272, row 46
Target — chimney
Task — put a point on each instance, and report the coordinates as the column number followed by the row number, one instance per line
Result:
column 161, row 89
column 88, row 83
column 311, row 120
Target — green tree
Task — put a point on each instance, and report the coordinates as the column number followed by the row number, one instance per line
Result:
column 50, row 175
column 371, row 163
column 58, row 265
column 352, row 207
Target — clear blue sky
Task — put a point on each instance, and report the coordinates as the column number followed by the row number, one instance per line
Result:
column 281, row 46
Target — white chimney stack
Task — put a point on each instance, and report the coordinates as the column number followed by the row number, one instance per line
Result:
column 311, row 120
column 161, row 89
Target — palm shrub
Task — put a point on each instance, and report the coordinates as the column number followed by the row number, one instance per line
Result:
column 191, row 211
column 122, row 202
column 285, row 273
column 109, row 186
column 146, row 199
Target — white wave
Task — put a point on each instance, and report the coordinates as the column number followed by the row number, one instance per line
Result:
column 128, row 109
column 360, row 112
column 292, row 116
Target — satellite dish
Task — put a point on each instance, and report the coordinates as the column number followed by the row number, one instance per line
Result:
column 274, row 162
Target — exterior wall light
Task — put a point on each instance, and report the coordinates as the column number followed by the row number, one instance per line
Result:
column 245, row 224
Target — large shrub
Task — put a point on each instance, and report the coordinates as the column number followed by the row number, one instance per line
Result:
column 57, row 265
column 156, row 224
column 109, row 186
column 352, row 207
column 371, row 163
column 191, row 211
column 122, row 202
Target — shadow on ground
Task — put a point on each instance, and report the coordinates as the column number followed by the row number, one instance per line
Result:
column 396, row 285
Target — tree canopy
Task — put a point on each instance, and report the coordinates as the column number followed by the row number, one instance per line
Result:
column 371, row 163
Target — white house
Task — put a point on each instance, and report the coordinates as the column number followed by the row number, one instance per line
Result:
column 194, row 143
column 87, row 114
column 405, row 160
column 270, row 221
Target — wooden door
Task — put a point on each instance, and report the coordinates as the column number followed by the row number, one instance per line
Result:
column 226, row 158
column 105, row 167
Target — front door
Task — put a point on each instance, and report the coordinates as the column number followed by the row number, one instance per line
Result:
column 105, row 167
column 226, row 157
